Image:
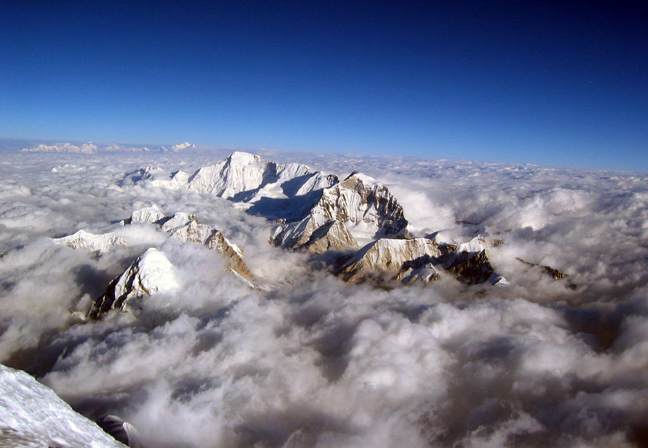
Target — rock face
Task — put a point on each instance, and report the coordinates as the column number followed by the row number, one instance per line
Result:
column 186, row 227
column 120, row 430
column 472, row 268
column 86, row 240
column 150, row 274
column 32, row 415
column 547, row 270
column 419, row 260
column 358, row 208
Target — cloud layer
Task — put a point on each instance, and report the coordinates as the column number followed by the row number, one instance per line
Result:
column 311, row 361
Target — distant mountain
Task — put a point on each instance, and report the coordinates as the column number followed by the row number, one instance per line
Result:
column 93, row 148
column 244, row 177
column 86, row 148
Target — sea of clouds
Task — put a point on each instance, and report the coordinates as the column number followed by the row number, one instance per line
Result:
column 309, row 361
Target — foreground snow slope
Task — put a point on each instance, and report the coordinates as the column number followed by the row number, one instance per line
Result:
column 32, row 415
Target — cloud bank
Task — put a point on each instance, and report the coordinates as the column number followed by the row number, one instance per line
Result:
column 309, row 361
column 93, row 148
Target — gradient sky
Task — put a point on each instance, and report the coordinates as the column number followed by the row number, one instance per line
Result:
column 554, row 83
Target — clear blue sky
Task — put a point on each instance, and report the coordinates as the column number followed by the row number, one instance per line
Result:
column 548, row 82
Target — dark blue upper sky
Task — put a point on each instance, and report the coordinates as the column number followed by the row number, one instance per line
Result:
column 555, row 83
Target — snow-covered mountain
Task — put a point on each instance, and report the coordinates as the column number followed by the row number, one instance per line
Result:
column 85, row 148
column 393, row 256
column 150, row 274
column 33, row 416
column 86, row 240
column 357, row 217
column 314, row 210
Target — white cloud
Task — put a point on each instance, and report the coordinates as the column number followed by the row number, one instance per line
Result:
column 311, row 361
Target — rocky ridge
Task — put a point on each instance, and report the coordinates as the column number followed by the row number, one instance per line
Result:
column 549, row 272
column 419, row 260
column 187, row 227
column 152, row 272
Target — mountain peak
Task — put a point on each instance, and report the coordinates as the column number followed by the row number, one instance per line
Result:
column 150, row 274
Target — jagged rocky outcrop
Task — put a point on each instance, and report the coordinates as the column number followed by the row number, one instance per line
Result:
column 122, row 431
column 86, row 240
column 150, row 274
column 547, row 270
column 419, row 260
column 356, row 209
column 187, row 227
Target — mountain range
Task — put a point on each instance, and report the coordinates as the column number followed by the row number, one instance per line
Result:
column 356, row 226
column 356, row 220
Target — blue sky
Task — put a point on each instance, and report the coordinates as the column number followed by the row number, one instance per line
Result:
column 553, row 83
